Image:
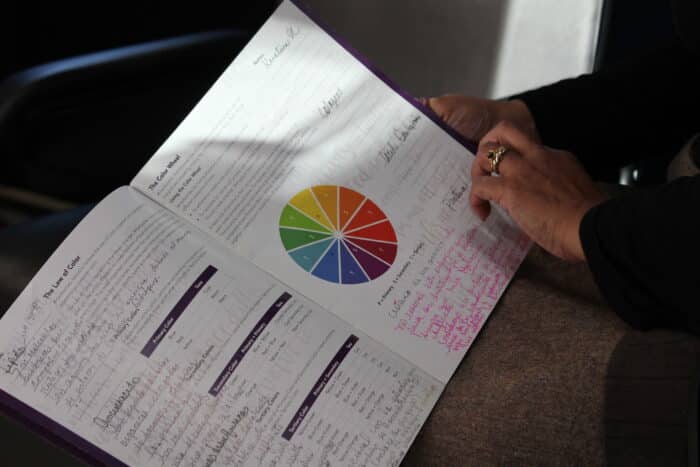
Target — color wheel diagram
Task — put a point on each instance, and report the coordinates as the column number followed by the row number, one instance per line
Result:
column 338, row 235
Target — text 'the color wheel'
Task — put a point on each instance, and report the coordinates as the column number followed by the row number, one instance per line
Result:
column 338, row 234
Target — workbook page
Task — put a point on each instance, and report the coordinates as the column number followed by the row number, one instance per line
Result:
column 309, row 164
column 140, row 342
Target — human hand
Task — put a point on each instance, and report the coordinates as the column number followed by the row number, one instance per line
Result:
column 546, row 191
column 473, row 117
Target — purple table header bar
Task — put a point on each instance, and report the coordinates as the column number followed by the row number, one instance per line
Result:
column 319, row 386
column 248, row 342
column 177, row 311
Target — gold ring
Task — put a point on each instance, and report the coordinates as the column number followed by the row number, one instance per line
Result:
column 496, row 156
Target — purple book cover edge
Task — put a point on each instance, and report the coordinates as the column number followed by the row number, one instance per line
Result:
column 427, row 111
column 55, row 432
column 86, row 450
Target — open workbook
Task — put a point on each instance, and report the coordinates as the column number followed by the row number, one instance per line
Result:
column 291, row 280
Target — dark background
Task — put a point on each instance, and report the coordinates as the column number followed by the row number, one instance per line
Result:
column 52, row 146
column 633, row 27
column 37, row 32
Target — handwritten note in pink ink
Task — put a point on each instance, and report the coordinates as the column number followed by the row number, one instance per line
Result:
column 466, row 275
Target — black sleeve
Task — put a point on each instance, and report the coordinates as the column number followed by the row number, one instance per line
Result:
column 642, row 248
column 642, row 108
column 644, row 252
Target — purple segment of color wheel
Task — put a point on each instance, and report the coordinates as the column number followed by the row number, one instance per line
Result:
column 372, row 266
column 350, row 271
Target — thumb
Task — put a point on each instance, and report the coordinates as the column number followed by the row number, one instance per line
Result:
column 440, row 105
column 469, row 116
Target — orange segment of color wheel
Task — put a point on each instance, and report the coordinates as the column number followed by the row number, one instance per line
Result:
column 327, row 196
column 350, row 200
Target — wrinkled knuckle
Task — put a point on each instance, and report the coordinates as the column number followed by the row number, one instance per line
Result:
column 518, row 164
column 507, row 195
column 541, row 154
column 490, row 138
column 504, row 126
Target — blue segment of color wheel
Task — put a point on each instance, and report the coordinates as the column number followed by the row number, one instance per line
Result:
column 351, row 271
column 327, row 267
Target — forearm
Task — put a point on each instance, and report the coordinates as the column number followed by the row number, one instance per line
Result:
column 644, row 252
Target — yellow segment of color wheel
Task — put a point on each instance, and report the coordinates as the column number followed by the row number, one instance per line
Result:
column 305, row 201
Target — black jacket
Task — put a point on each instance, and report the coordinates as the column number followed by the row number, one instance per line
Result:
column 643, row 248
